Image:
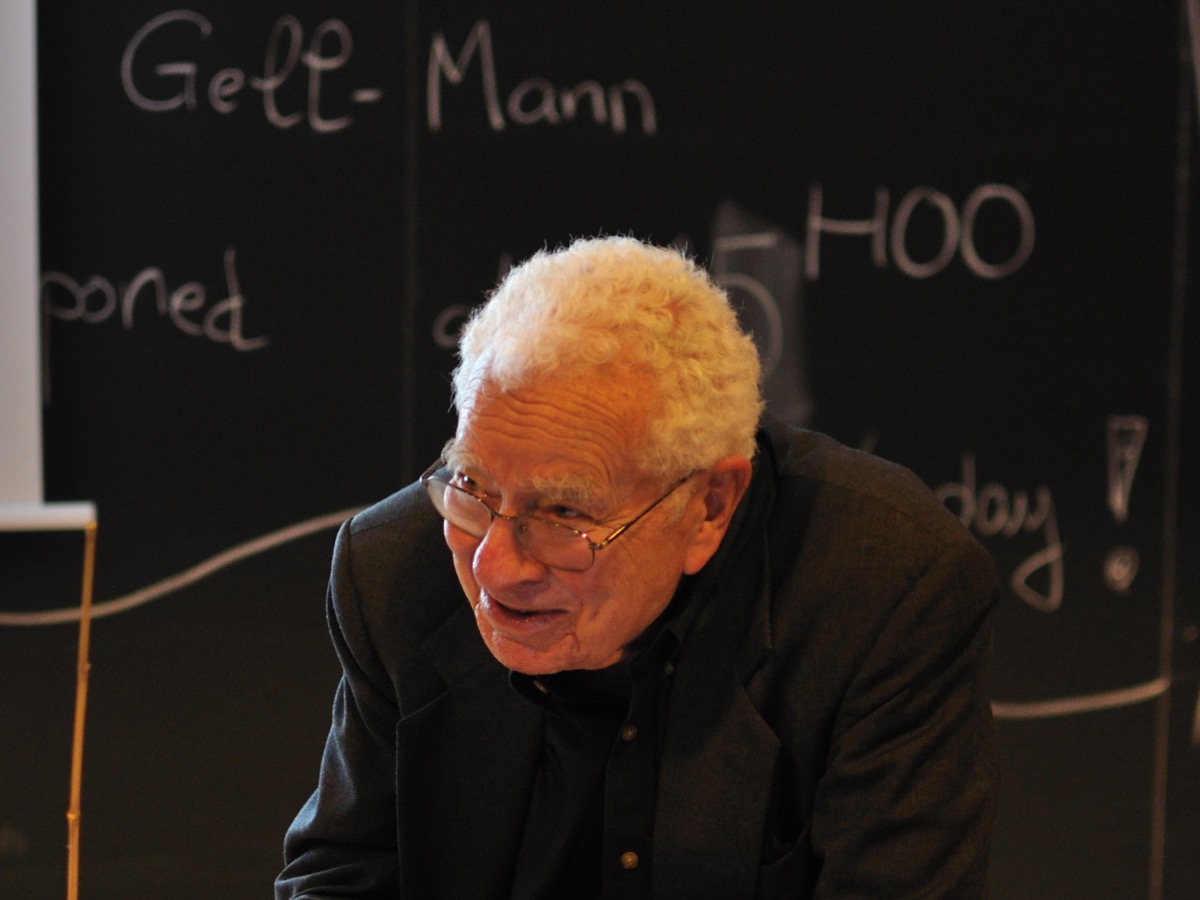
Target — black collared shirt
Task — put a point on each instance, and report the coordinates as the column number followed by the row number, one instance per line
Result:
column 590, row 826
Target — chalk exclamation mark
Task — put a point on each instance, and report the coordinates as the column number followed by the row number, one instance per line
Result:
column 1126, row 438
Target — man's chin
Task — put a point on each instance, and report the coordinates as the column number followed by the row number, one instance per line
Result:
column 533, row 659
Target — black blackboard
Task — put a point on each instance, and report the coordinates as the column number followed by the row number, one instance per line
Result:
column 964, row 233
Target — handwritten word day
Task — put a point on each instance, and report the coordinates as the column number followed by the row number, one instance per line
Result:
column 991, row 510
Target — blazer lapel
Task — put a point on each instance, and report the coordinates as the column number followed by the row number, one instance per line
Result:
column 465, row 767
column 712, row 803
column 715, row 784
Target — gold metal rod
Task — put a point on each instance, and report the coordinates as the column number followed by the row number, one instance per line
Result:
column 81, row 685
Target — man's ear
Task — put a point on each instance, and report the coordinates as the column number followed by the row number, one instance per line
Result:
column 724, row 484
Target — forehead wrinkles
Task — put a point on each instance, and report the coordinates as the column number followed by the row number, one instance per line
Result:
column 566, row 441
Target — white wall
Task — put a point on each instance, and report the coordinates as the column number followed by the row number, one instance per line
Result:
column 21, row 495
column 20, row 408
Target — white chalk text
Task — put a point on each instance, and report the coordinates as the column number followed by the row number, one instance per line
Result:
column 994, row 511
column 178, row 84
column 535, row 99
column 97, row 299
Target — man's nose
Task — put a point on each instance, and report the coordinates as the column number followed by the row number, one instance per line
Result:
column 500, row 559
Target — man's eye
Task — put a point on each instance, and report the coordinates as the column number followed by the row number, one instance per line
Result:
column 467, row 483
column 562, row 513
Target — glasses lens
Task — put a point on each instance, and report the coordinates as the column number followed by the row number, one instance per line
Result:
column 460, row 509
column 554, row 545
column 550, row 544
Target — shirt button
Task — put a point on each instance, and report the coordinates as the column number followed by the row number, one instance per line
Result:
column 669, row 669
column 629, row 860
column 628, row 733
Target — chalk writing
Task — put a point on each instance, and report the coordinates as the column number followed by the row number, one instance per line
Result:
column 447, row 326
column 776, row 249
column 994, row 511
column 176, row 83
column 1086, row 703
column 1125, row 439
column 1126, row 436
column 1121, row 568
column 535, row 99
column 958, row 230
column 759, row 265
column 98, row 299
column 184, row 579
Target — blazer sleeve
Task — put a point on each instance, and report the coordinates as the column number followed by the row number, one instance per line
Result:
column 906, row 805
column 343, row 841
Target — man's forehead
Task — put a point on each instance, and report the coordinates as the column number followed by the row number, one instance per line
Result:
column 572, row 437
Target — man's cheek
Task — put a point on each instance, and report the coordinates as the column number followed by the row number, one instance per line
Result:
column 462, row 549
column 461, row 544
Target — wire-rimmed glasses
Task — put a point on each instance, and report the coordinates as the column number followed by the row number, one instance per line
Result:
column 553, row 544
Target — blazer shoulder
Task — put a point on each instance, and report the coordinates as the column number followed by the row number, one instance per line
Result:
column 393, row 586
column 858, row 490
column 852, row 534
column 407, row 506
column 394, row 549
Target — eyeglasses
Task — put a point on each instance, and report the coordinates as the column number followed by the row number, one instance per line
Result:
column 551, row 543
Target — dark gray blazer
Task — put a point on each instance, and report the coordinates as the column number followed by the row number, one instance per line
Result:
column 829, row 733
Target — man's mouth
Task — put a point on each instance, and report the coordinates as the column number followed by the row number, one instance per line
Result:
column 519, row 612
column 505, row 617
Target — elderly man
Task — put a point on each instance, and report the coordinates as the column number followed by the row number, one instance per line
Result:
column 701, row 654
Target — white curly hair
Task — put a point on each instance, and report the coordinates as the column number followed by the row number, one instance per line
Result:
column 614, row 304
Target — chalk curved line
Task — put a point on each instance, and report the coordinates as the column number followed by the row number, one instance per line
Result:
column 1001, row 709
column 184, row 578
column 1069, row 706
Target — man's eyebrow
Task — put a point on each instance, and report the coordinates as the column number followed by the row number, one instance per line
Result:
column 570, row 488
column 458, row 457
